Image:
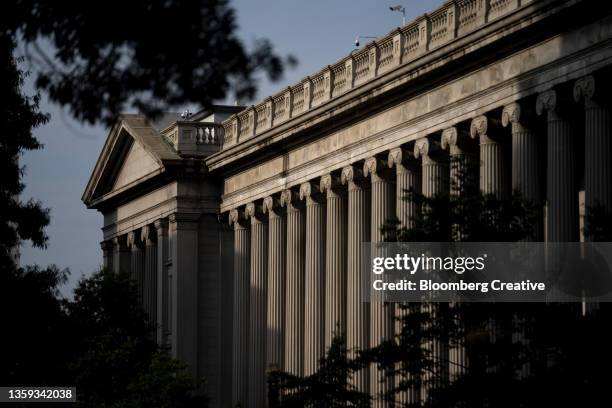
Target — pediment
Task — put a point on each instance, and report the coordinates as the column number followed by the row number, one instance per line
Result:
column 134, row 152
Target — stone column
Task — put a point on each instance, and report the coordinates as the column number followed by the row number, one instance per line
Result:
column 137, row 262
column 107, row 254
column 314, row 277
column 240, row 333
column 358, row 312
column 561, row 191
column 381, row 314
column 408, row 177
column 121, row 255
column 161, row 227
column 149, row 238
column 184, row 298
column 335, row 257
column 460, row 158
column 294, row 298
column 434, row 171
column 275, row 336
column 257, row 307
column 525, row 163
column 492, row 158
column 597, row 143
column 434, row 182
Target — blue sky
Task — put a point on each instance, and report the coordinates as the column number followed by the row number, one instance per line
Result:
column 318, row 33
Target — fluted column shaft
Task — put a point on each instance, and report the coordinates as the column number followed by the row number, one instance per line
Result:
column 276, row 284
column 335, row 258
column 358, row 232
column 137, row 263
column 107, row 254
column 492, row 158
column 314, row 332
column 149, row 237
column 161, row 275
column 408, row 177
column 561, row 192
column 257, row 308
column 294, row 306
column 122, row 256
column 381, row 314
column 241, row 308
column 597, row 143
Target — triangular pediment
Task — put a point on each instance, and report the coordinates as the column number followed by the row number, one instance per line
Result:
column 134, row 152
column 137, row 164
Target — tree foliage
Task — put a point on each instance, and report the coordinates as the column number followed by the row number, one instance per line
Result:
column 99, row 58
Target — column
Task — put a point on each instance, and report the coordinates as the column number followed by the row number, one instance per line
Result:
column 525, row 164
column 381, row 314
column 294, row 298
column 358, row 312
column 184, row 253
column 335, row 257
column 435, row 174
column 107, row 254
column 121, row 255
column 149, row 238
column 257, row 307
column 314, row 277
column 408, row 178
column 241, row 307
column 492, row 159
column 561, row 191
column 137, row 262
column 275, row 336
column 161, row 228
column 597, row 144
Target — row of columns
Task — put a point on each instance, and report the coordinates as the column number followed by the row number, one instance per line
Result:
column 302, row 262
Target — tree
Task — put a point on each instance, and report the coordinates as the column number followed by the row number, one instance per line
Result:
column 116, row 363
column 99, row 58
column 328, row 387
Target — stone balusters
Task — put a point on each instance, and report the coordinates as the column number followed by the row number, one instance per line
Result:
column 275, row 337
column 241, row 307
column 294, row 298
column 161, row 275
column 525, row 152
column 335, row 257
column 493, row 178
column 381, row 314
column 257, row 306
column 357, row 321
column 597, row 143
column 408, row 177
column 314, row 331
column 561, row 191
column 148, row 236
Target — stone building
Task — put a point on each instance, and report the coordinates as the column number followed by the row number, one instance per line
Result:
column 243, row 228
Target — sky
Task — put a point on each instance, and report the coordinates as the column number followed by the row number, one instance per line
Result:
column 317, row 33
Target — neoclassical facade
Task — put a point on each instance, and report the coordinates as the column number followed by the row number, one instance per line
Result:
column 243, row 227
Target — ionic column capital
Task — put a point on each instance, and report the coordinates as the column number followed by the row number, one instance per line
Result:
column 148, row 235
column 330, row 184
column 133, row 240
column 552, row 103
column 453, row 140
column 311, row 192
column 255, row 212
column 237, row 219
column 481, row 127
column 120, row 243
column 421, row 148
column 353, row 177
column 517, row 117
column 375, row 168
column 272, row 206
column 400, row 158
column 107, row 246
column 161, row 226
column 290, row 199
column 584, row 88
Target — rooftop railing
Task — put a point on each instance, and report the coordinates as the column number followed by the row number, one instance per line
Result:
column 195, row 138
column 426, row 33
